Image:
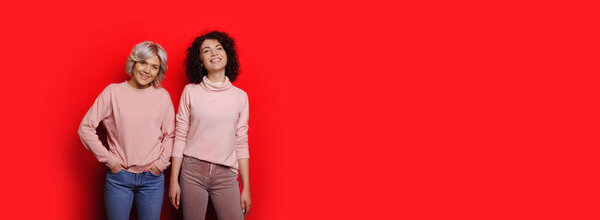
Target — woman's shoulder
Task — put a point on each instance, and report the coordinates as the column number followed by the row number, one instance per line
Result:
column 112, row 87
column 191, row 86
column 117, row 86
column 162, row 94
column 238, row 91
column 162, row 91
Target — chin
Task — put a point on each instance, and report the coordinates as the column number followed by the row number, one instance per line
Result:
column 217, row 69
column 143, row 83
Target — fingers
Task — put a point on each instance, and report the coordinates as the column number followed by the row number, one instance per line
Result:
column 148, row 168
column 116, row 168
column 177, row 198
column 154, row 170
column 174, row 196
column 247, row 207
column 245, row 201
column 173, row 201
column 243, row 207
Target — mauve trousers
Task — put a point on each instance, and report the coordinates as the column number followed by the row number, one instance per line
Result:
column 200, row 179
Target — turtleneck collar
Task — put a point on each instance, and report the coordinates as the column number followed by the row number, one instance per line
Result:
column 215, row 86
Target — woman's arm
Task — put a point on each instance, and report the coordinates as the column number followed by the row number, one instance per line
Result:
column 181, row 132
column 243, row 155
column 168, row 130
column 245, row 200
column 100, row 110
column 174, row 190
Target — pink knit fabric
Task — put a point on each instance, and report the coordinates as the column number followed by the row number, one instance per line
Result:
column 212, row 123
column 140, row 125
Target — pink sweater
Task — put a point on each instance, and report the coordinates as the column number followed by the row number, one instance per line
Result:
column 212, row 123
column 140, row 126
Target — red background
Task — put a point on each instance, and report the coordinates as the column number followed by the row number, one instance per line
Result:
column 359, row 110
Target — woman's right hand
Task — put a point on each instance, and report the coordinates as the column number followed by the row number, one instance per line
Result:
column 174, row 194
column 118, row 167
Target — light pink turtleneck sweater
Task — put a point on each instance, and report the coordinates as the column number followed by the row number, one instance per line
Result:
column 212, row 123
column 140, row 125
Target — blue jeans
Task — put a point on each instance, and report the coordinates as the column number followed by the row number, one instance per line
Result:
column 122, row 187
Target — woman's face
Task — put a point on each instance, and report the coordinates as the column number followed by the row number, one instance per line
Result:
column 145, row 71
column 213, row 55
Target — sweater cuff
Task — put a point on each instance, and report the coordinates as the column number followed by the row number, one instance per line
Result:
column 161, row 166
column 112, row 161
column 242, row 153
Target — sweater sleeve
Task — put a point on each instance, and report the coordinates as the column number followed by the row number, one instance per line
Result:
column 168, row 132
column 100, row 110
column 183, row 123
column 241, row 132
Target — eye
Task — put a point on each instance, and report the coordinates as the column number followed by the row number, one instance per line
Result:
column 155, row 67
column 205, row 51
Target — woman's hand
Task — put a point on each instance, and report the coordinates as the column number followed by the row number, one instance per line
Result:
column 174, row 194
column 174, row 189
column 153, row 169
column 245, row 201
column 118, row 167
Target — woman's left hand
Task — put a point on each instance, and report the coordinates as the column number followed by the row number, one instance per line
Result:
column 245, row 201
column 153, row 169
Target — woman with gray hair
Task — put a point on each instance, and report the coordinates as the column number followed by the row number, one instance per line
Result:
column 139, row 118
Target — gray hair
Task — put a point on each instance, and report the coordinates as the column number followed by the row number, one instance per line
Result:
column 143, row 51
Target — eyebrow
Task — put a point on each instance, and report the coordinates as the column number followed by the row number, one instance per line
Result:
column 218, row 45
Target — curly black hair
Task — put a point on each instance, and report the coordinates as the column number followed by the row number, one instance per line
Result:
column 193, row 68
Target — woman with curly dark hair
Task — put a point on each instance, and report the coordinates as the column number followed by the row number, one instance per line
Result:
column 211, row 140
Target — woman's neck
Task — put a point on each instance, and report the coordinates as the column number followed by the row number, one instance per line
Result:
column 216, row 77
column 134, row 84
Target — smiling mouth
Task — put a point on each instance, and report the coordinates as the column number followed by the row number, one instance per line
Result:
column 215, row 60
column 144, row 77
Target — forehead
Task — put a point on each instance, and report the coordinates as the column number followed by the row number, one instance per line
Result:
column 153, row 60
column 210, row 43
